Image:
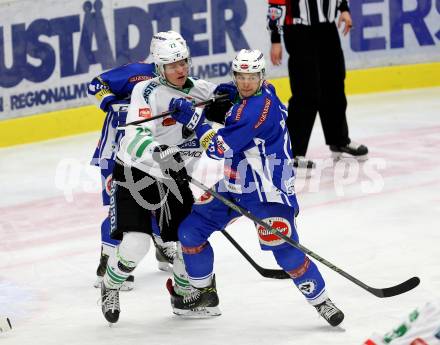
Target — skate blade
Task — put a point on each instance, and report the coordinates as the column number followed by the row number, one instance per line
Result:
column 198, row 313
column 337, row 156
column 98, row 281
column 127, row 286
column 164, row 266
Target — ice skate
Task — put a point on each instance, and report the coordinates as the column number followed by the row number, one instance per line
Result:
column 351, row 150
column 110, row 304
column 128, row 285
column 165, row 254
column 198, row 304
column 330, row 312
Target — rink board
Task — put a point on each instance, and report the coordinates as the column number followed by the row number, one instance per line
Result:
column 88, row 118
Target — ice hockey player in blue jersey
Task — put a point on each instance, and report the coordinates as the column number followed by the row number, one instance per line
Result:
column 111, row 91
column 259, row 176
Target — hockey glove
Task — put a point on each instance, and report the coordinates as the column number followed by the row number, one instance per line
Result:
column 216, row 111
column 171, row 163
column 228, row 89
column 184, row 112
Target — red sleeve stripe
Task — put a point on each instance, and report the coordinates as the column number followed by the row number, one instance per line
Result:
column 277, row 2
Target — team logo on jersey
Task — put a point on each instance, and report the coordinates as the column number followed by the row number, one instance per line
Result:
column 145, row 113
column 221, row 146
column 168, row 121
column 278, row 223
column 205, row 198
column 108, row 184
column 307, row 287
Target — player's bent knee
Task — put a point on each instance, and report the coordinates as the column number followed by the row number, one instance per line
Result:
column 289, row 258
column 134, row 246
column 189, row 236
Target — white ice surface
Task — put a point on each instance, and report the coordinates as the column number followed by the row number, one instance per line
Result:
column 380, row 224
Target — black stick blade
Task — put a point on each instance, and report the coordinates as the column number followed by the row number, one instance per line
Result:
column 398, row 289
column 274, row 274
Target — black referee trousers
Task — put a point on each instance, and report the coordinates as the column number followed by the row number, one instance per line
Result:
column 317, row 73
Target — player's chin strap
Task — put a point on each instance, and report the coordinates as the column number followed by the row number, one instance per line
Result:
column 384, row 292
column 169, row 112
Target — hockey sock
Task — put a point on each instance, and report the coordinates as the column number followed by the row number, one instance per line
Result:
column 131, row 251
column 181, row 280
column 304, row 273
column 199, row 262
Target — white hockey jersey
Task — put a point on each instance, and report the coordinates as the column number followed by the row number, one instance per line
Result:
column 421, row 327
column 152, row 97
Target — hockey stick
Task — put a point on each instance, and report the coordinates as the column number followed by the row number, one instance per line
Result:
column 166, row 113
column 384, row 292
column 265, row 272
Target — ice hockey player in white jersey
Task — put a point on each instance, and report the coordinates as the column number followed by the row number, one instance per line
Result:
column 111, row 92
column 149, row 175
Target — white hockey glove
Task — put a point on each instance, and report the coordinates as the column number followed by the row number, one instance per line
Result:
column 171, row 163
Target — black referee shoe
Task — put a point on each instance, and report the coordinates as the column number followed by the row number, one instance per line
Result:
column 351, row 150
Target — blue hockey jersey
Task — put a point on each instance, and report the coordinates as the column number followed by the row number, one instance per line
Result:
column 255, row 144
column 117, row 84
column 112, row 92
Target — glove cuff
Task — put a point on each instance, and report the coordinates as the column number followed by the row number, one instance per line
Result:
column 202, row 129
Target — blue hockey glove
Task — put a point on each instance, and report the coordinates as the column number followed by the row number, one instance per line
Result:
column 228, row 89
column 185, row 113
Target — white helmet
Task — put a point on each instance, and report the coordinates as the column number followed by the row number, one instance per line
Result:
column 249, row 61
column 164, row 35
column 168, row 47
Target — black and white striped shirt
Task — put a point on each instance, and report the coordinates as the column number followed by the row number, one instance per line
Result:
column 305, row 12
